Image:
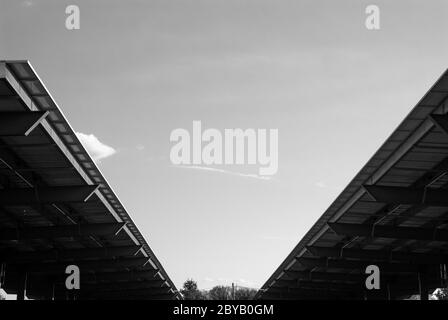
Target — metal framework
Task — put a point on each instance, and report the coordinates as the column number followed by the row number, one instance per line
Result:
column 393, row 214
column 57, row 209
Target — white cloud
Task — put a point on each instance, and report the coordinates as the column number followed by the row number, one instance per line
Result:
column 27, row 3
column 321, row 184
column 95, row 147
column 239, row 174
column 140, row 147
column 245, row 282
column 324, row 185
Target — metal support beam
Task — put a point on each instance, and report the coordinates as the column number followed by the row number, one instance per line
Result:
column 51, row 292
column 52, row 284
column 84, row 266
column 285, row 296
column 378, row 255
column 323, row 276
column 124, row 286
column 21, row 286
column 410, row 196
column 41, row 288
column 134, row 297
column 96, row 229
column 318, row 285
column 396, row 284
column 20, row 196
column 60, row 255
column 312, row 293
column 397, row 281
column 423, row 287
column 441, row 121
column 388, row 292
column 132, row 275
column 380, row 231
column 2, row 274
column 355, row 265
column 20, row 123
column 119, row 294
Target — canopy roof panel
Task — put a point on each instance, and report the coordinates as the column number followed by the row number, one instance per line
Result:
column 396, row 206
column 55, row 202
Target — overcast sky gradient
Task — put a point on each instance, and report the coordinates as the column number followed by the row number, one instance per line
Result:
column 136, row 70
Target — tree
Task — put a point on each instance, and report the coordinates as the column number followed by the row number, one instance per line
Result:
column 245, row 294
column 219, row 293
column 441, row 294
column 190, row 291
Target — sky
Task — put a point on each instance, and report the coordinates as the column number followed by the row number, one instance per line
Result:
column 137, row 70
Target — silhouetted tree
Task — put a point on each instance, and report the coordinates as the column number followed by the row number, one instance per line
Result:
column 441, row 294
column 245, row 293
column 190, row 291
column 220, row 293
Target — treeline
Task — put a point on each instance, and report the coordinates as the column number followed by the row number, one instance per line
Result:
column 190, row 291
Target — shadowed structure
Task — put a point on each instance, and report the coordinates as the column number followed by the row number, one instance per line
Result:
column 57, row 209
column 393, row 214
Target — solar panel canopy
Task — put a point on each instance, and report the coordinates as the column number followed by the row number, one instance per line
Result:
column 57, row 209
column 392, row 215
